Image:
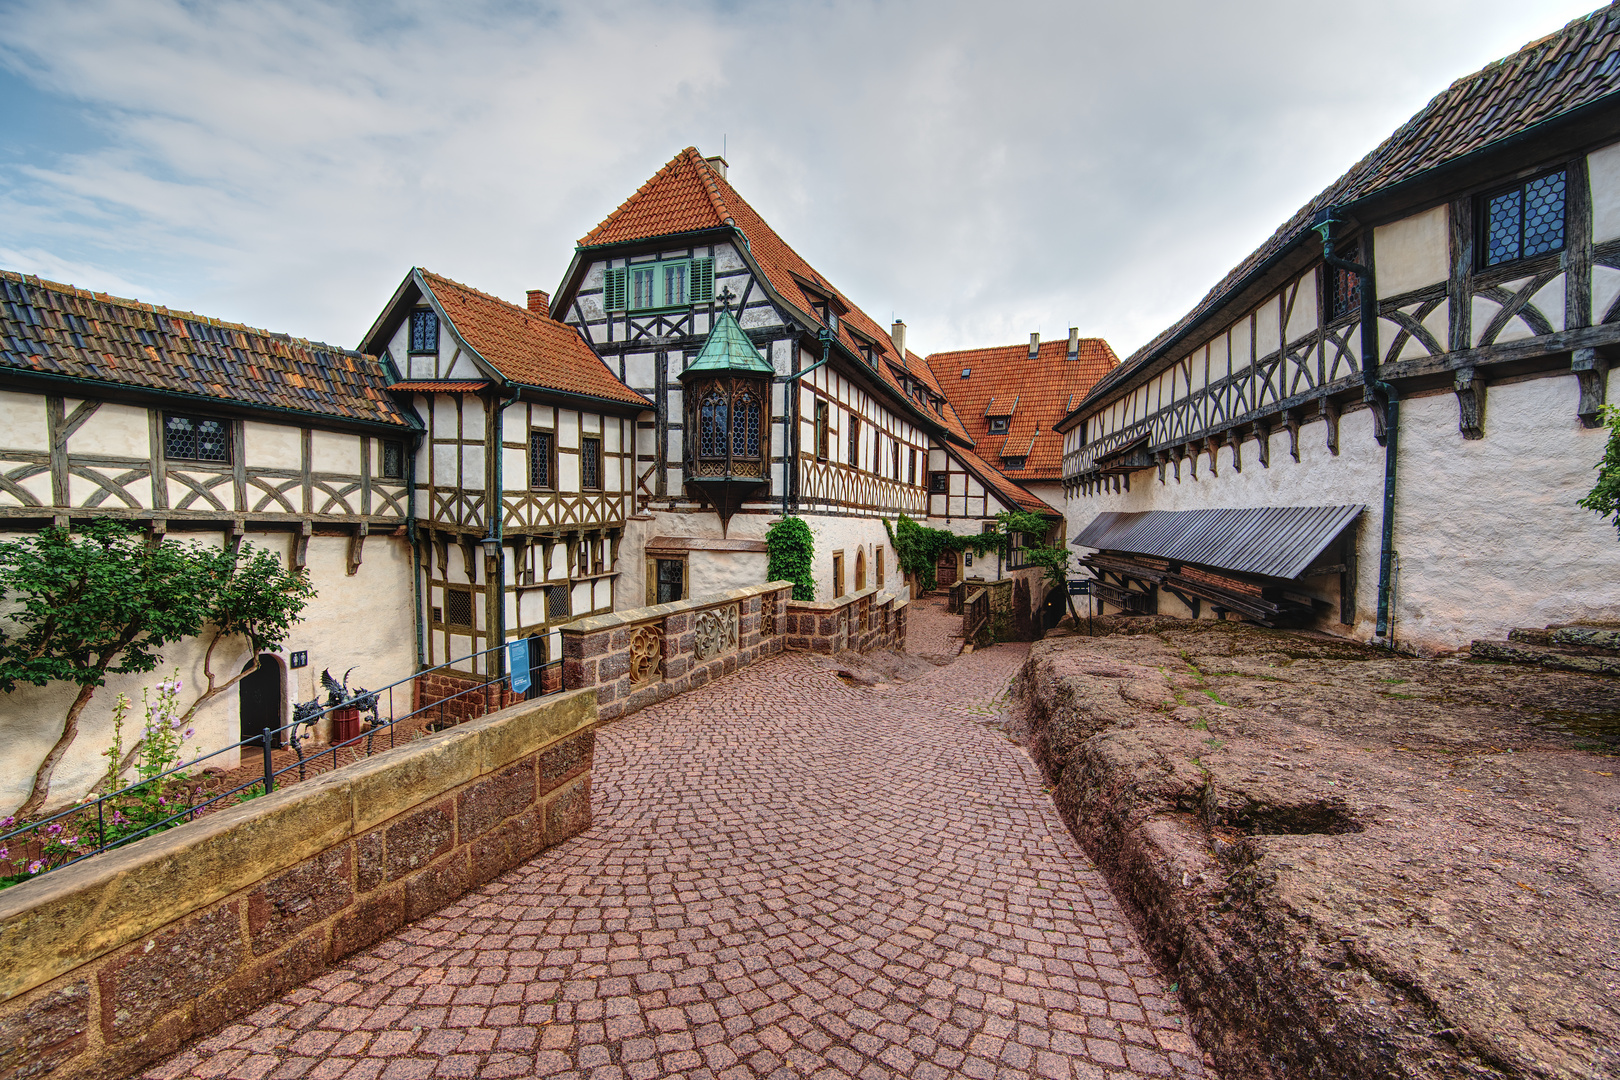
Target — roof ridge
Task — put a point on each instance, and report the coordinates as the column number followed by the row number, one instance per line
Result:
column 516, row 307
column 709, row 177
column 173, row 313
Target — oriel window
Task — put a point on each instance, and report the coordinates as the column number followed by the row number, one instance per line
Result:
column 745, row 426
column 196, row 438
column 1524, row 221
column 590, row 464
column 424, row 331
column 542, row 469
column 713, row 424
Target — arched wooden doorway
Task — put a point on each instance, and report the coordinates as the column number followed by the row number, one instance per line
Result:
column 945, row 569
column 260, row 698
column 860, row 569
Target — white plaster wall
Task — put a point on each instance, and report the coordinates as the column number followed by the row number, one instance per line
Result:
column 715, row 571
column 1412, row 252
column 332, row 451
column 364, row 621
column 1603, row 167
column 114, row 430
column 22, row 421
column 273, row 446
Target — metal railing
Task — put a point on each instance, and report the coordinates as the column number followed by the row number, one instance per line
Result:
column 103, row 820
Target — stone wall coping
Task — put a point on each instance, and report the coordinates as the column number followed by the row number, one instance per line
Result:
column 72, row 916
column 631, row 616
column 847, row 599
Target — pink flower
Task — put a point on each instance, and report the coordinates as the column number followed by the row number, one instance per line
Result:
column 191, row 733
column 36, row 866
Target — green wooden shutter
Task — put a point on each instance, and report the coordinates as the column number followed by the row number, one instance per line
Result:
column 702, row 282
column 613, row 287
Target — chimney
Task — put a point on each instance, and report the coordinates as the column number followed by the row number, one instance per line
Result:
column 897, row 334
column 718, row 164
column 1034, row 345
column 540, row 301
column 1074, row 343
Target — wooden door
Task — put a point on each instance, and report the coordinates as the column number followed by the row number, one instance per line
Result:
column 259, row 697
column 945, row 569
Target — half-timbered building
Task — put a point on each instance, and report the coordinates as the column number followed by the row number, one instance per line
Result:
column 207, row 432
column 1381, row 421
column 851, row 416
column 524, row 477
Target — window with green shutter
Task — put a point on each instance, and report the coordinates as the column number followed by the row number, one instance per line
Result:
column 649, row 286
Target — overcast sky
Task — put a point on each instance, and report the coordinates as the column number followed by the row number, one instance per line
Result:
column 983, row 170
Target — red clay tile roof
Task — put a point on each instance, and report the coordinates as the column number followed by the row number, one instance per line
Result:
column 527, row 347
column 1550, row 76
column 1042, row 389
column 57, row 329
column 688, row 195
column 441, row 386
column 1008, row 490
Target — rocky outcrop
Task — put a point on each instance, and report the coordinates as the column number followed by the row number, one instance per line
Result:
column 1353, row 864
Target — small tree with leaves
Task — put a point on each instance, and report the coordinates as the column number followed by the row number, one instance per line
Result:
column 791, row 551
column 1604, row 498
column 103, row 600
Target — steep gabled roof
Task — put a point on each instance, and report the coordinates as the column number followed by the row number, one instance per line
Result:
column 1551, row 76
column 1042, row 390
column 527, row 347
column 688, row 195
column 53, row 329
column 1006, row 489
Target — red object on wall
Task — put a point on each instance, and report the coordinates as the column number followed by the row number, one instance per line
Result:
column 345, row 725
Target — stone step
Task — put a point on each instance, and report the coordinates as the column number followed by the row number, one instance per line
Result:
column 1578, row 636
column 1548, row 656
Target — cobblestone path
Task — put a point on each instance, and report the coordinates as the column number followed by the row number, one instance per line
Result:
column 787, row 877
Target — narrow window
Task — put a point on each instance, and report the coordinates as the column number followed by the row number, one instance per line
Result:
column 1343, row 287
column 712, row 418
column 542, row 473
column 702, row 280
column 196, row 438
column 911, row 467
column 822, row 413
column 641, row 288
column 854, row 441
column 939, row 483
column 838, row 574
column 674, row 285
column 880, row 566
column 590, row 464
column 895, row 456
column 458, row 607
column 1524, row 221
column 860, row 569
column 614, row 288
column 671, row 580
column 393, row 460
column 424, row 331
column 745, row 426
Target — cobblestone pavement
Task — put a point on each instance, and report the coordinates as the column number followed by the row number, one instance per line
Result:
column 931, row 630
column 787, row 877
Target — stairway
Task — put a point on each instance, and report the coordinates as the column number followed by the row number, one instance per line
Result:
column 1590, row 647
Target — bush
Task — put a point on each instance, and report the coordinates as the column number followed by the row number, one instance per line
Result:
column 792, row 551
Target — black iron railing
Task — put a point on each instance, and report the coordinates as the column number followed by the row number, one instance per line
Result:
column 100, row 824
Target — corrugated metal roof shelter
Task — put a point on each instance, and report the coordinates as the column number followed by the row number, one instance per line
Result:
column 1272, row 541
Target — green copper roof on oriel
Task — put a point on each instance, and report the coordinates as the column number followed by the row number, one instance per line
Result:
column 727, row 348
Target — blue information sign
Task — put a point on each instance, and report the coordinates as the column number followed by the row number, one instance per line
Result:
column 517, row 662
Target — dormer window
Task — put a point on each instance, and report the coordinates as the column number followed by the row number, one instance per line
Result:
column 966, row 372
column 424, row 331
column 1000, row 424
column 1013, row 462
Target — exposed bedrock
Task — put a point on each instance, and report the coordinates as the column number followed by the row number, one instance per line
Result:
column 1354, row 865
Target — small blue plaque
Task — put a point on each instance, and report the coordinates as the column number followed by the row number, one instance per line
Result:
column 517, row 662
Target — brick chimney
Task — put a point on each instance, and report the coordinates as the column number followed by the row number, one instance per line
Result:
column 897, row 334
column 1074, row 343
column 718, row 164
column 540, row 302
column 1034, row 345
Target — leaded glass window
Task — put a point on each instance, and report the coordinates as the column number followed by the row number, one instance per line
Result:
column 1525, row 221
column 424, row 331
column 196, row 438
column 712, row 417
column 590, row 464
column 641, row 288
column 745, row 426
column 393, row 460
column 1344, row 286
column 674, row 285
column 540, row 468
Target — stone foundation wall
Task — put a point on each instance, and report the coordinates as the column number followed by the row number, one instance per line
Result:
column 108, row 965
column 637, row 657
column 863, row 621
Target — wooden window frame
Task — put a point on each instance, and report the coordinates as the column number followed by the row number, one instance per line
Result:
column 423, row 313
column 853, row 440
column 1482, row 222
column 823, row 429
column 838, row 574
column 398, row 445
column 939, row 482
column 911, row 468
column 585, row 456
column 618, row 284
column 472, row 607
column 228, row 426
column 551, row 463
column 1000, row 425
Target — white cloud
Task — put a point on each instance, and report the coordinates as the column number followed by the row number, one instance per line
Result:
column 981, row 170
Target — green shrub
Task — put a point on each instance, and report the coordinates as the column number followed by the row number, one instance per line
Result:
column 792, row 551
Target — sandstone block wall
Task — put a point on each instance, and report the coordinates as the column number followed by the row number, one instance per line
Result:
column 863, row 621
column 113, row 963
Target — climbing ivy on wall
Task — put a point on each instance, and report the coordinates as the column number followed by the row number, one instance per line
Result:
column 918, row 547
column 1604, row 498
column 791, row 550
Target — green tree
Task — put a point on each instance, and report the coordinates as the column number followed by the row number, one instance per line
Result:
column 791, row 551
column 1604, row 498
column 103, row 600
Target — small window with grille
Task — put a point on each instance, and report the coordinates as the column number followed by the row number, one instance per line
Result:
column 590, row 464
column 424, row 331
column 542, row 470
column 196, row 438
column 1524, row 221
column 458, row 607
column 557, row 597
column 939, row 482
column 393, row 460
column 1000, row 424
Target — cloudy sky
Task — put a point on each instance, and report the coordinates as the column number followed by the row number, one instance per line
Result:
column 982, row 170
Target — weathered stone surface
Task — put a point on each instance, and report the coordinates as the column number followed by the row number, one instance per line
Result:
column 299, row 961
column 1556, row 657
column 297, row 898
column 1590, row 637
column 419, row 838
column 371, row 863
column 1356, row 865
column 568, row 811
column 368, row 921
column 567, row 759
column 429, row 890
column 506, row 846
column 44, row 1032
column 170, row 970
column 489, row 802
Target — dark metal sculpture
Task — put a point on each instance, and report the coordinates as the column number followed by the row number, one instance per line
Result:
column 338, row 695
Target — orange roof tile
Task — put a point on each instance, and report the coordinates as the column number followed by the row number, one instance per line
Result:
column 1036, row 393
column 688, row 195
column 442, row 386
column 527, row 347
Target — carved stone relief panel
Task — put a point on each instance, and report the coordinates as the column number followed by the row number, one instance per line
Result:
column 716, row 632
column 646, row 653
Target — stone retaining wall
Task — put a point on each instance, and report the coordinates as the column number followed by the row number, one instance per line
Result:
column 863, row 621
column 108, row 965
column 637, row 657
